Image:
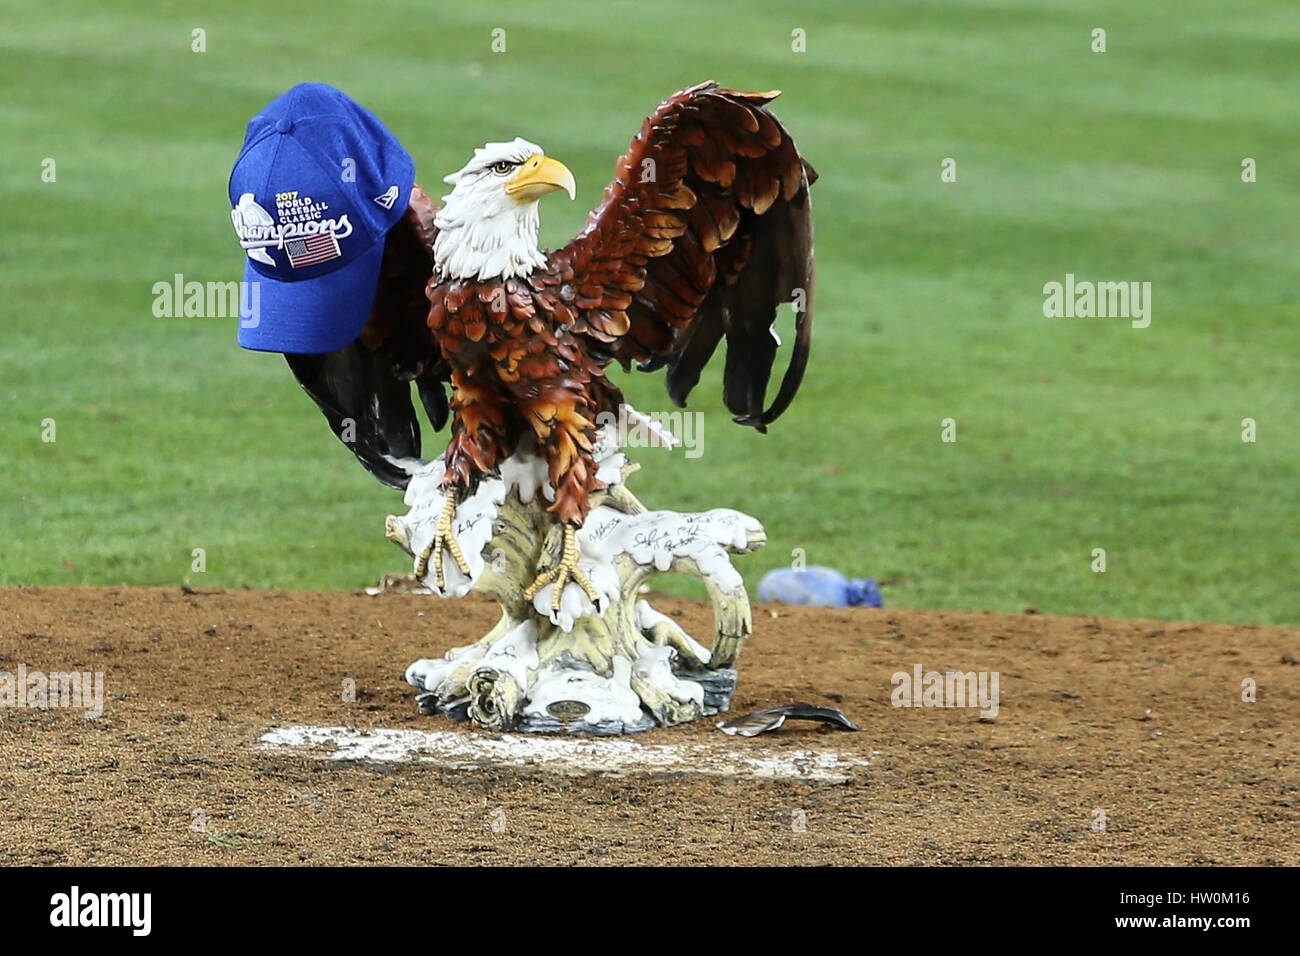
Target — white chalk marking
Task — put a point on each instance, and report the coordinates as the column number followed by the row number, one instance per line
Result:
column 570, row 756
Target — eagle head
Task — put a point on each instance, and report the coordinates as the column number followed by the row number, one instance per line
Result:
column 487, row 226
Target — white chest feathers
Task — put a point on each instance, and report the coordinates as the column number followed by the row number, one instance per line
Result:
column 481, row 240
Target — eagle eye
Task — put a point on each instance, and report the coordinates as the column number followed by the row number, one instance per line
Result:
column 503, row 166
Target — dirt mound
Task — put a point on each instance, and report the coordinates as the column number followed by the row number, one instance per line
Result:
column 1114, row 742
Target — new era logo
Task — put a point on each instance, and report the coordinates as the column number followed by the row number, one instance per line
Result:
column 388, row 198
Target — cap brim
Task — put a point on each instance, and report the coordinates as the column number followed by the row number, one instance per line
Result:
column 317, row 315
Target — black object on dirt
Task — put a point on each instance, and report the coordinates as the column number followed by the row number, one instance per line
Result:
column 771, row 718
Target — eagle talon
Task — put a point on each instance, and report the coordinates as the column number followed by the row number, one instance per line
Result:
column 565, row 571
column 443, row 540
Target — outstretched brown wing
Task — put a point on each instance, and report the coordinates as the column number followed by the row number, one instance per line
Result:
column 364, row 389
column 705, row 231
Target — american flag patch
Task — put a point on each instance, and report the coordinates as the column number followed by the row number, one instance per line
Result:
column 312, row 250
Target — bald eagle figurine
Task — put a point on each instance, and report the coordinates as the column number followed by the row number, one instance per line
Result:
column 704, row 232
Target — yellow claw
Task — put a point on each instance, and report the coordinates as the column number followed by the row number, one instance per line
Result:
column 563, row 572
column 443, row 540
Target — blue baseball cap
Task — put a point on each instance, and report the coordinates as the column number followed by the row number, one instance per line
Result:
column 318, row 184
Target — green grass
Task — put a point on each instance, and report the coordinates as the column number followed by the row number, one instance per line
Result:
column 1073, row 434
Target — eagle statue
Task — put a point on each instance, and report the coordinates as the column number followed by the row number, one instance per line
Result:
column 705, row 231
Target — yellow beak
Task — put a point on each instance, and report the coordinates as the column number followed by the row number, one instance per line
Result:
column 538, row 176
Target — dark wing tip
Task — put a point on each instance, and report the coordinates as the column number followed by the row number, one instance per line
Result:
column 754, row 421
